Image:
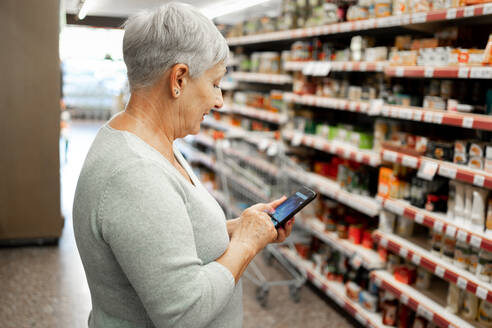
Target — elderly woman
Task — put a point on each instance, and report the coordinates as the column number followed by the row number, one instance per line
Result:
column 156, row 247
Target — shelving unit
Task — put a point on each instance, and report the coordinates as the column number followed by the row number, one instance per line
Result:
column 313, row 67
column 335, row 291
column 441, row 268
column 260, row 114
column 364, row 204
column 450, row 72
column 341, row 149
column 448, row 15
column 417, row 301
column 262, row 78
column 359, row 255
column 259, row 163
column 440, row 222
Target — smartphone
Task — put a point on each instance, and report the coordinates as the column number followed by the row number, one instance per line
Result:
column 285, row 211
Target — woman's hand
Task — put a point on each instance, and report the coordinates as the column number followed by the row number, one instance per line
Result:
column 255, row 228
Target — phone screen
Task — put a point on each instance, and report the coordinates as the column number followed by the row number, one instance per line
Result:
column 292, row 205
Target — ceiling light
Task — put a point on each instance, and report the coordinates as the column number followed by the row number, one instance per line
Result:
column 84, row 7
column 226, row 7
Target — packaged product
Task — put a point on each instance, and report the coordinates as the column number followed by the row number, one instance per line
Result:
column 487, row 54
column 454, row 299
column 352, row 290
column 405, row 314
column 468, row 202
column 473, row 259
column 462, row 254
column 436, row 243
column 382, row 8
column 443, row 151
column 484, row 267
column 392, row 262
column 420, row 6
column 387, row 221
column 459, row 201
column 405, row 274
column 479, row 207
column 488, row 165
column 390, row 310
column 368, row 301
column 470, row 306
column 488, row 221
column 355, row 232
column 460, row 158
column 420, row 322
column 485, row 313
column 404, row 226
column 400, row 7
column 477, row 148
column 423, row 278
column 448, row 247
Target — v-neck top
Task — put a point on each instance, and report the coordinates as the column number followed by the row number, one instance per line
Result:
column 149, row 240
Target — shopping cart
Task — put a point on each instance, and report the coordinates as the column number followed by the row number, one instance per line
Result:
column 251, row 171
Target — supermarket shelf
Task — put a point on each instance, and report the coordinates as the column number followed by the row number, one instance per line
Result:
column 262, row 78
column 369, row 24
column 417, row 301
column 259, row 163
column 260, row 114
column 205, row 140
column 341, row 149
column 419, row 114
column 370, row 108
column 335, row 291
column 423, row 258
column 364, row 204
column 358, row 253
column 440, row 222
column 448, row 72
column 202, row 158
column 320, row 67
column 479, row 178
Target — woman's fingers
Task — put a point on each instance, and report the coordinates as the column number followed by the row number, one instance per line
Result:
column 277, row 202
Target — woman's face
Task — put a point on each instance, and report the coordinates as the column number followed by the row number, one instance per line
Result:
column 200, row 96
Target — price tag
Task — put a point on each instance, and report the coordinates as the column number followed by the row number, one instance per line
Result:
column 416, row 259
column 428, row 117
column 447, row 171
column 417, row 115
column 439, row 271
column 353, row 106
column 390, row 156
column 467, row 122
column 451, row 13
column 476, row 72
column 469, row 11
column 437, row 118
column 385, row 111
column 462, row 236
column 475, row 241
column 410, row 161
column 404, row 299
column 429, row 71
column 463, row 72
column 419, row 218
column 338, row 300
column 450, row 231
column 461, row 283
column 394, row 208
column 424, row 312
column 438, row 226
column 419, row 18
column 403, row 252
column 481, row 292
column 383, row 242
column 273, row 149
column 325, row 68
column 349, row 67
column 478, row 180
column 297, row 139
column 487, row 8
column 363, row 67
column 427, row 170
column 308, row 68
column 319, row 144
column 375, row 106
column 405, row 19
column 399, row 71
column 407, row 113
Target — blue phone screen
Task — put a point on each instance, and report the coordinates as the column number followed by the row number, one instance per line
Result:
column 287, row 207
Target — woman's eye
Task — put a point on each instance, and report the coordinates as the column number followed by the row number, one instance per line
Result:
column 216, row 86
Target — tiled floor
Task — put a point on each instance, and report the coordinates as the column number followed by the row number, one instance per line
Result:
column 46, row 286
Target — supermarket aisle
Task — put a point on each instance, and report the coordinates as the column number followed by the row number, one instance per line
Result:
column 46, row 286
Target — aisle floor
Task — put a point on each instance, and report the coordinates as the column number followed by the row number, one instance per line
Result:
column 46, row 286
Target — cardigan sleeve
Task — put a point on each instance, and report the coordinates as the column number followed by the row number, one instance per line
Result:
column 143, row 218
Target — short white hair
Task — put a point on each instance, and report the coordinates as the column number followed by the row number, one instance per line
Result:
column 156, row 40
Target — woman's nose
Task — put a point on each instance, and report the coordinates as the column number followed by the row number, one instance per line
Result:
column 219, row 102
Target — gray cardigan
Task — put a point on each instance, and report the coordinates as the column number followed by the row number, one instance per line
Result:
column 148, row 240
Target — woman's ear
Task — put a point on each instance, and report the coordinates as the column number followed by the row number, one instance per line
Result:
column 178, row 79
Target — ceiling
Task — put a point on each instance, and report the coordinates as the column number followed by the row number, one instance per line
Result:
column 125, row 8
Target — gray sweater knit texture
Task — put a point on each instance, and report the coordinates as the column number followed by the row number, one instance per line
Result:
column 149, row 240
